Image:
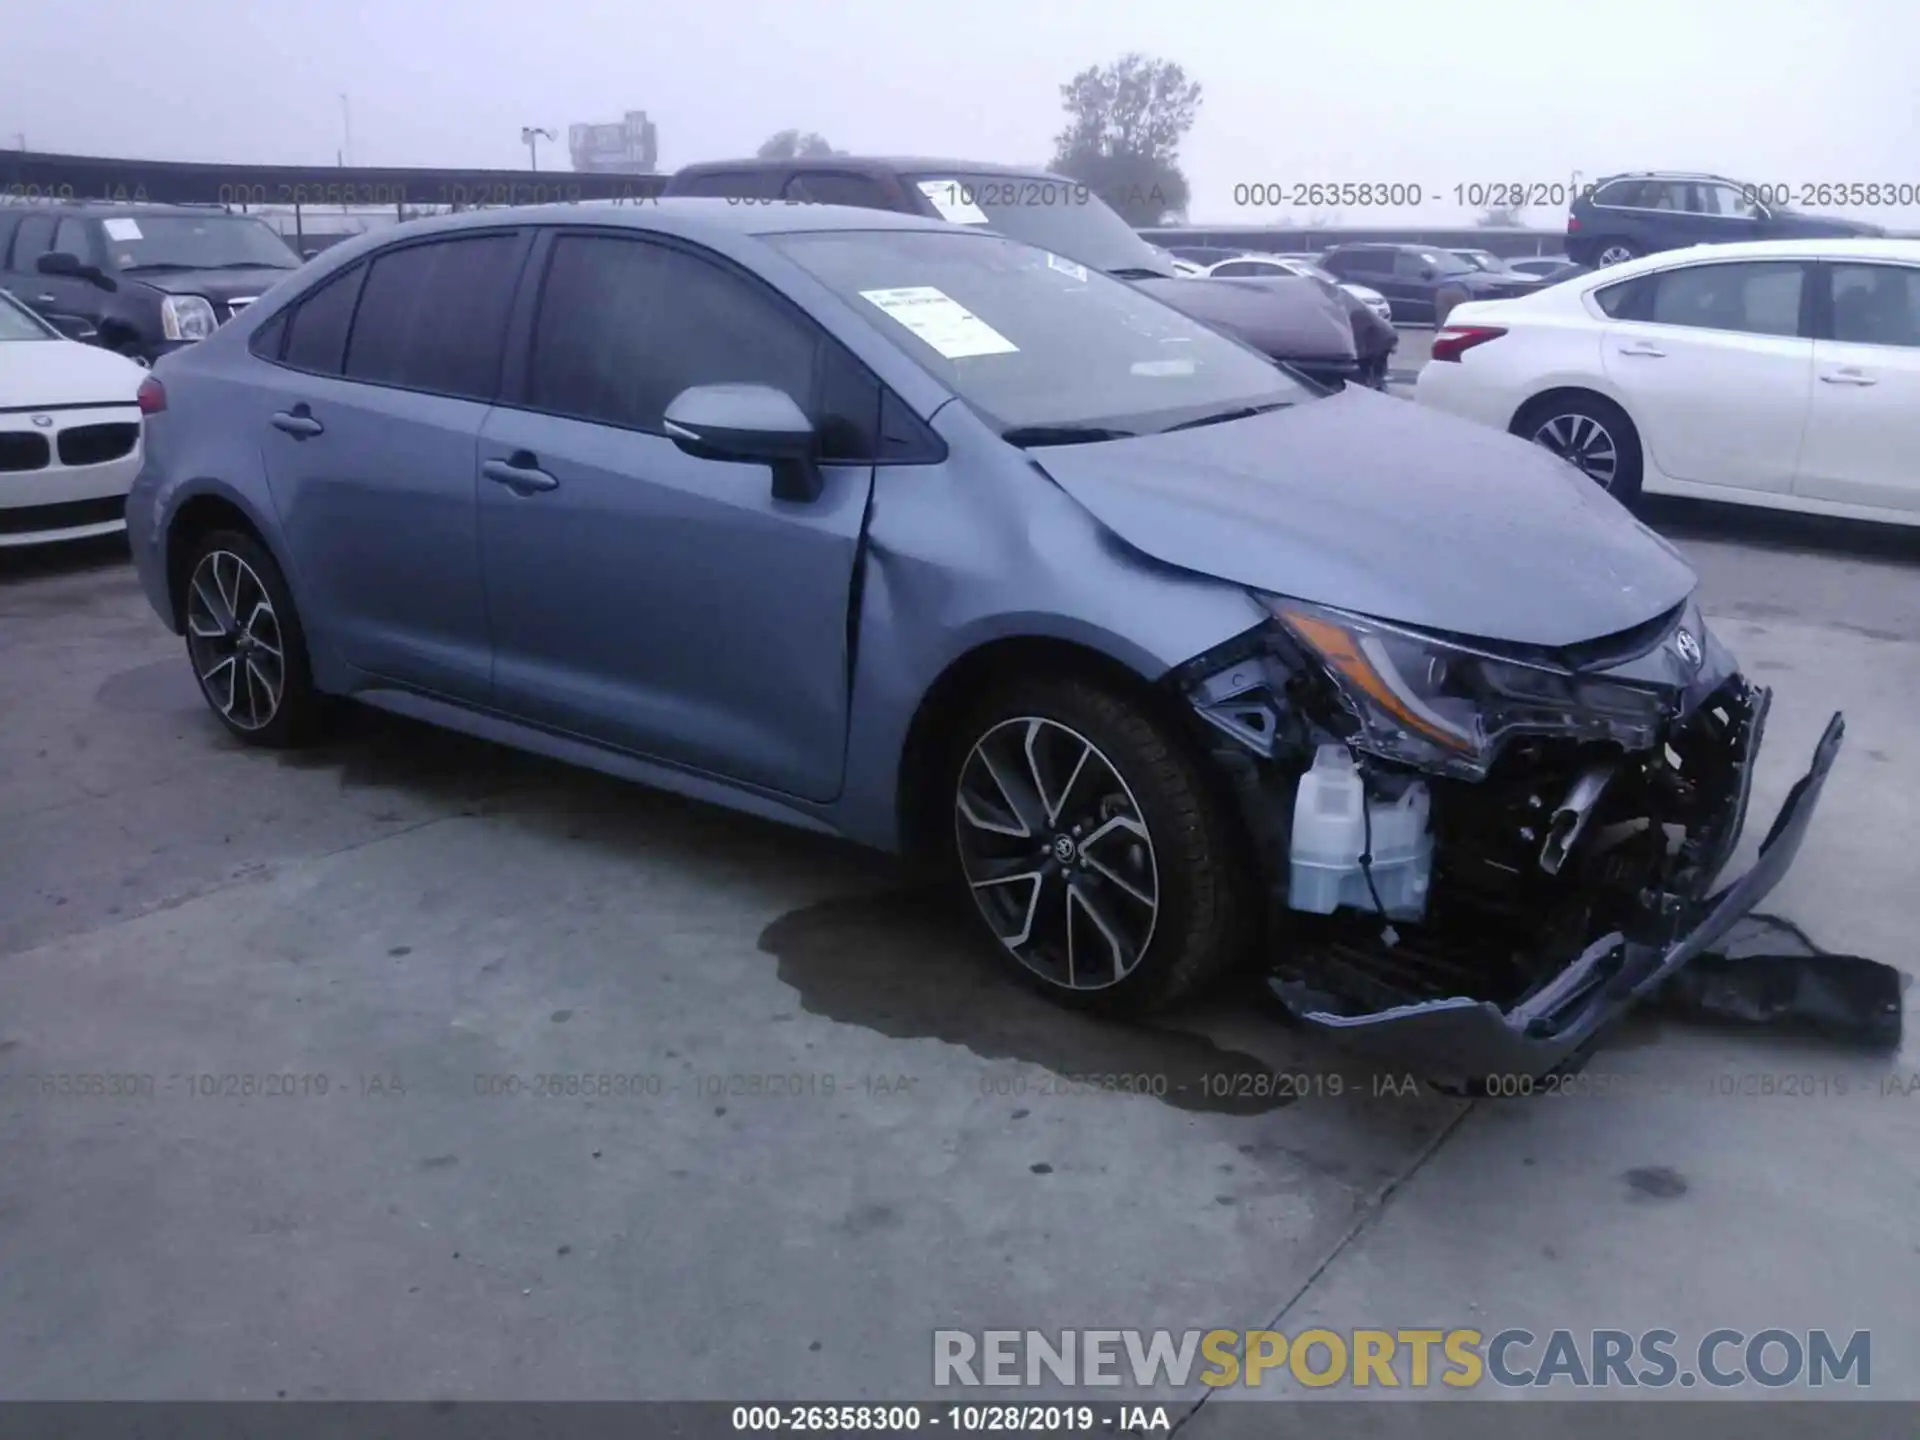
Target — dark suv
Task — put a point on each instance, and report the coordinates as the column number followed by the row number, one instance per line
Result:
column 1626, row 216
column 145, row 278
column 1288, row 318
column 1421, row 282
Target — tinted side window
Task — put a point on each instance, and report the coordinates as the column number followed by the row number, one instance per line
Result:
column 33, row 239
column 317, row 330
column 434, row 316
column 834, row 187
column 1239, row 267
column 626, row 325
column 1754, row 299
column 1627, row 300
column 72, row 239
column 1876, row 305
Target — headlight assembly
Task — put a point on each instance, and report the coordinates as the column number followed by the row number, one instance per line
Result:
column 187, row 317
column 1439, row 705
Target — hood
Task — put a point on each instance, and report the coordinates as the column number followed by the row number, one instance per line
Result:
column 214, row 284
column 1487, row 282
column 1386, row 508
column 1285, row 316
column 36, row 373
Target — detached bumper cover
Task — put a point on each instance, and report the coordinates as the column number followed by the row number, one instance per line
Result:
column 1468, row 1039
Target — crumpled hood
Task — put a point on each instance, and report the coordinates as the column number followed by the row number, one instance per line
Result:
column 1285, row 316
column 1380, row 506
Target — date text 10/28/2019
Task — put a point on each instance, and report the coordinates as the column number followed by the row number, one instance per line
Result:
column 1406, row 194
column 1105, row 1419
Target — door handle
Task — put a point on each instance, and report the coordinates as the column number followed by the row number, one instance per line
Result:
column 297, row 423
column 520, row 472
column 47, row 300
column 1651, row 352
column 1848, row 377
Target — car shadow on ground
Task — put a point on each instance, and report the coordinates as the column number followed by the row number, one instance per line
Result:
column 21, row 563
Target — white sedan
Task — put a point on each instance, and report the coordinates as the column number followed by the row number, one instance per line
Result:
column 1783, row 373
column 1246, row 265
column 69, row 433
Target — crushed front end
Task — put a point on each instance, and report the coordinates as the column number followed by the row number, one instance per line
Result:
column 1485, row 853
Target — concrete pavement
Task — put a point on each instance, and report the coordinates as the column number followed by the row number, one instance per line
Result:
column 817, row 1124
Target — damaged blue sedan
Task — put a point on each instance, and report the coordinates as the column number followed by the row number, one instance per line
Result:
column 913, row 534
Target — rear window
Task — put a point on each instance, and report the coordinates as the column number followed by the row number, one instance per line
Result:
column 731, row 184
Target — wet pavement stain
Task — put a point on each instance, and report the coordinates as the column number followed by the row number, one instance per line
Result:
column 165, row 687
column 1655, row 1182
column 911, row 965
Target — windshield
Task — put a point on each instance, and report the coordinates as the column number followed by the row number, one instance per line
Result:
column 1035, row 342
column 1480, row 259
column 1446, row 262
column 1063, row 216
column 195, row 242
column 17, row 323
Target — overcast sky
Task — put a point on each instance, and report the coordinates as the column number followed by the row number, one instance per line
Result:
column 1435, row 93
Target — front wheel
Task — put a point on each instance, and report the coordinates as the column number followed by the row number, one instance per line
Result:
column 245, row 643
column 1104, row 864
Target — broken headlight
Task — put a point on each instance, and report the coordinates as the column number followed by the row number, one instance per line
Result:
column 1445, row 706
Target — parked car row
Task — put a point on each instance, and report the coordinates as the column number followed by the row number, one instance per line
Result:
column 908, row 531
column 139, row 280
column 1781, row 373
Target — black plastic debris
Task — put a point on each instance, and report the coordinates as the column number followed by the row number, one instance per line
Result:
column 1751, row 979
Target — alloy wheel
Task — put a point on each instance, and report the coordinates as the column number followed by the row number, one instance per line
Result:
column 1057, row 853
column 1615, row 255
column 234, row 641
column 1584, row 443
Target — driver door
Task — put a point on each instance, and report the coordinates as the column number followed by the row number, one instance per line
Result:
column 642, row 598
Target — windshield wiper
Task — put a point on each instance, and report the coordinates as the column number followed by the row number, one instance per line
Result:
column 251, row 265
column 1139, row 272
column 1245, row 412
column 158, row 265
column 1025, row 435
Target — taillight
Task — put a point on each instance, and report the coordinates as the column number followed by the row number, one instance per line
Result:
column 152, row 396
column 1573, row 223
column 1450, row 342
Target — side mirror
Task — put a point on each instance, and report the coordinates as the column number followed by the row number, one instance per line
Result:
column 1426, row 272
column 59, row 262
column 308, row 253
column 756, row 424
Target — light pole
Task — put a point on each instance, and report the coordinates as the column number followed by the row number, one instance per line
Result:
column 530, row 136
column 346, row 132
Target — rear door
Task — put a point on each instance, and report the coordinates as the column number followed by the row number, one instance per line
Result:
column 1863, row 429
column 643, row 598
column 1715, row 364
column 368, row 418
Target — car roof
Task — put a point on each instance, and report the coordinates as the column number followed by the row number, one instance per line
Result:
column 687, row 215
column 1862, row 247
column 111, row 209
column 1666, row 175
column 876, row 164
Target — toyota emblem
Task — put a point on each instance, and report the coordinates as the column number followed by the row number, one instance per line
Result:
column 1688, row 647
column 45, row 422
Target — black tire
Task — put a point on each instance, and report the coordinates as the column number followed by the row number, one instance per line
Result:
column 227, row 580
column 1569, row 422
column 1202, row 887
column 1614, row 251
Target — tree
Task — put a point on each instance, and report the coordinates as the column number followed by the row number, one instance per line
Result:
column 795, row 145
column 1496, row 216
column 1125, row 122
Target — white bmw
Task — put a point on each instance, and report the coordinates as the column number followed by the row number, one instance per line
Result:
column 1783, row 373
column 69, row 433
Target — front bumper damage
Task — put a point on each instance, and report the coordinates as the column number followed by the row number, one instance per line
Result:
column 1523, row 984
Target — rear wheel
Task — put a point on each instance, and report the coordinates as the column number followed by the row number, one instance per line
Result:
column 245, row 643
column 1590, row 433
column 1106, row 868
column 1615, row 252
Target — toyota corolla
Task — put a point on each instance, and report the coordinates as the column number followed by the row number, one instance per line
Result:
column 927, row 538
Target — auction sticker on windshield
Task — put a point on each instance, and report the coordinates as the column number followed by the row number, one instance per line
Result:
column 118, row 229
column 941, row 321
column 1066, row 266
column 953, row 202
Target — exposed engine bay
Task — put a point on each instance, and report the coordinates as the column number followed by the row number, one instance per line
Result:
column 1481, row 854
